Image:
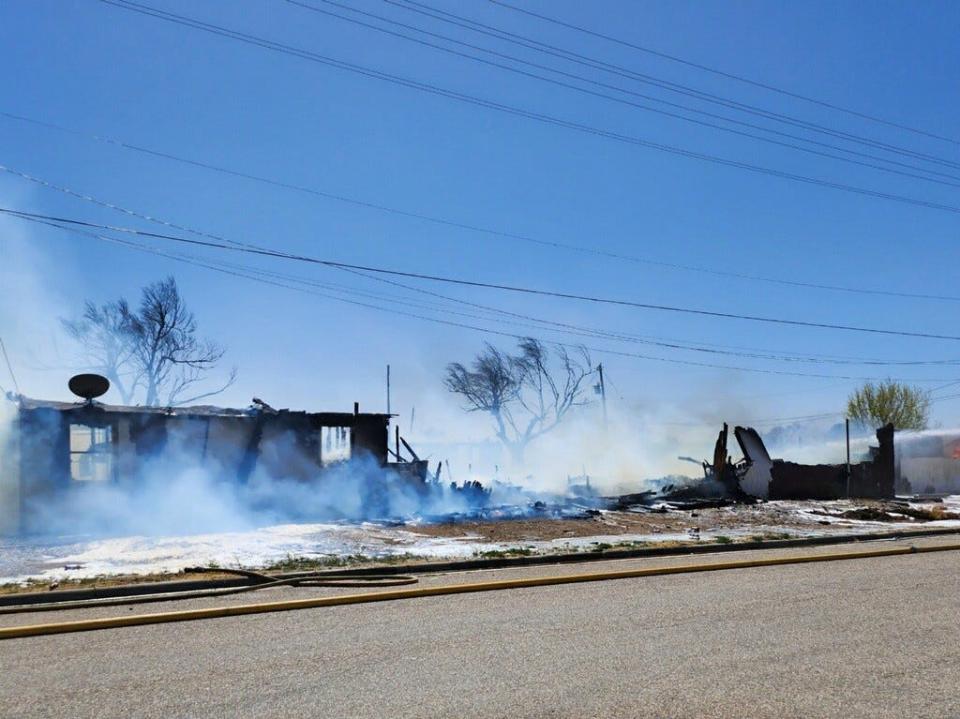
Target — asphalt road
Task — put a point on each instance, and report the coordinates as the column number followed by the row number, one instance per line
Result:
column 862, row 638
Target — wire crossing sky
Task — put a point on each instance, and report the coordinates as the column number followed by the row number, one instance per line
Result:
column 452, row 223
column 522, row 112
column 774, row 184
column 232, row 246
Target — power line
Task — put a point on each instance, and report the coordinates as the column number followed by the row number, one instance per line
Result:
column 267, row 252
column 6, row 358
column 674, row 344
column 728, row 75
column 451, row 223
column 944, row 386
column 621, row 100
column 749, row 422
column 519, row 112
column 687, row 91
column 193, row 261
column 555, row 326
column 802, row 418
column 680, row 344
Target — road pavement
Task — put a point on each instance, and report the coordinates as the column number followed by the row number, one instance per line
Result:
column 861, row 638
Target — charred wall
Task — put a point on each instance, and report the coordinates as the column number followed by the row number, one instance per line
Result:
column 230, row 443
column 873, row 479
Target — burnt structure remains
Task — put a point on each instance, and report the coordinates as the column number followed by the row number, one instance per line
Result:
column 871, row 479
column 59, row 445
column 759, row 475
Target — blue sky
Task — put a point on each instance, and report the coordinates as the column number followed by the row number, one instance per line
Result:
column 107, row 71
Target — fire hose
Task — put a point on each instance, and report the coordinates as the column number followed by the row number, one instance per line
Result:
column 84, row 625
column 262, row 581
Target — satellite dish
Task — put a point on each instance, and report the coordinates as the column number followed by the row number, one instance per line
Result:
column 88, row 386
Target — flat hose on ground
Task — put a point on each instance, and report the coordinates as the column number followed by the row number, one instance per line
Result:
column 263, row 581
column 236, row 610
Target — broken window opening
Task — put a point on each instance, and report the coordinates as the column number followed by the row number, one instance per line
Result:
column 91, row 453
column 334, row 444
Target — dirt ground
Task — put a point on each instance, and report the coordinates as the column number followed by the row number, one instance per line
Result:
column 769, row 518
column 758, row 519
column 736, row 523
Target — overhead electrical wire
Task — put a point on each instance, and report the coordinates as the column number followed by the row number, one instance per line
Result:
column 722, row 73
column 594, row 299
column 945, row 386
column 645, row 78
column 455, row 224
column 6, row 358
column 750, row 352
column 554, row 326
column 54, row 222
column 606, row 96
column 363, row 269
column 672, row 344
column 520, row 112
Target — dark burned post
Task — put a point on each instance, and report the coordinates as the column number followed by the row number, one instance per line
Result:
column 848, row 457
column 603, row 394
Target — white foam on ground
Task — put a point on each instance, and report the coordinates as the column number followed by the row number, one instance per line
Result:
column 47, row 559
column 21, row 559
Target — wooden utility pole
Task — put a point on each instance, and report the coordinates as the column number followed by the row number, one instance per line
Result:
column 848, row 457
column 388, row 389
column 603, row 393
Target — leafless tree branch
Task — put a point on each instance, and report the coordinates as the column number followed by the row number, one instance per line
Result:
column 541, row 384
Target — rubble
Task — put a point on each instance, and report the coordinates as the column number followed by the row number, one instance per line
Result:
column 893, row 512
column 758, row 476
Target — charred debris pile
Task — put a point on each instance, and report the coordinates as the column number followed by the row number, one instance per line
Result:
column 754, row 478
column 341, row 465
column 757, row 477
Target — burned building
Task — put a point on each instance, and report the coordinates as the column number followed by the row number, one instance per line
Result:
column 58, row 445
column 759, row 476
column 781, row 479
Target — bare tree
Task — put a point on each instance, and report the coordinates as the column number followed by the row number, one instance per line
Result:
column 528, row 394
column 167, row 350
column 104, row 334
column 154, row 349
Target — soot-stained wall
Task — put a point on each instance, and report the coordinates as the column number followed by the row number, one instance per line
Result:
column 232, row 443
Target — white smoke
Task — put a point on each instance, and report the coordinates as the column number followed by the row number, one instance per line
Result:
column 174, row 492
column 9, row 478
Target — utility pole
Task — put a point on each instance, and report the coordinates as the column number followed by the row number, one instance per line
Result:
column 848, row 457
column 603, row 393
column 388, row 389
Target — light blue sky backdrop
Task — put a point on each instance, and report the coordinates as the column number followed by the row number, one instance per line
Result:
column 104, row 70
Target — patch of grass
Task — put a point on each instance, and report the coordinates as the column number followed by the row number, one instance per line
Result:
column 722, row 539
column 768, row 536
column 600, row 546
column 635, row 544
column 43, row 585
column 504, row 553
column 292, row 563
